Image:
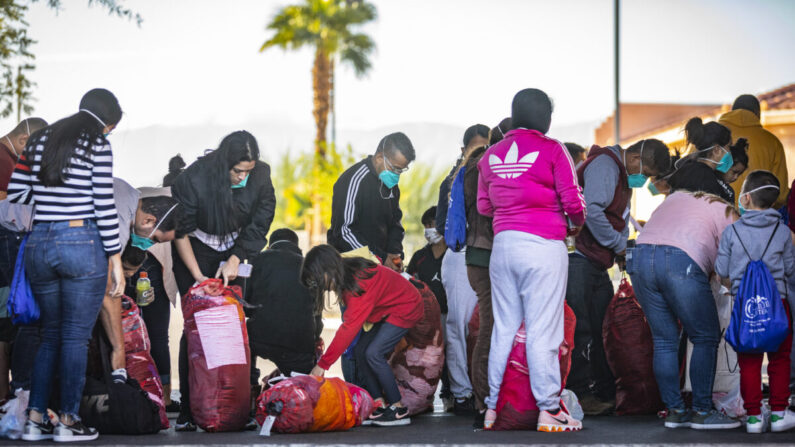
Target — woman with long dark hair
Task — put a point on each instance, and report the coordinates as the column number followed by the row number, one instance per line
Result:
column 377, row 298
column 66, row 173
column 701, row 170
column 228, row 202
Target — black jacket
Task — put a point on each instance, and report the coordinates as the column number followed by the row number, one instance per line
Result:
column 364, row 212
column 283, row 316
column 253, row 212
column 695, row 176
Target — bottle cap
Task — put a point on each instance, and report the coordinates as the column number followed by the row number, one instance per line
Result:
column 143, row 275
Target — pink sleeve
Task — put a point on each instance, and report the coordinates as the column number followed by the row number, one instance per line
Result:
column 485, row 207
column 721, row 219
column 567, row 187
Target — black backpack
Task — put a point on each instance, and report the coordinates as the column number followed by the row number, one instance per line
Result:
column 117, row 408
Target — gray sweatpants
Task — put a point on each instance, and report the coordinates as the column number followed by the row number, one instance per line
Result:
column 461, row 301
column 528, row 284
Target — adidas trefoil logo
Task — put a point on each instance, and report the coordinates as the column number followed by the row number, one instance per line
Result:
column 512, row 167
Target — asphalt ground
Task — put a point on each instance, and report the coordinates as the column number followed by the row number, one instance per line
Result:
column 446, row 429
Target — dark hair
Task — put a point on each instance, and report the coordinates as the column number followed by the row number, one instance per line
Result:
column 764, row 198
column 175, row 167
column 132, row 255
column 704, row 136
column 747, row 102
column 325, row 270
column 429, row 216
column 574, row 149
column 397, row 142
column 531, row 109
column 284, row 234
column 28, row 126
column 739, row 152
column 655, row 154
column 236, row 147
column 499, row 131
column 158, row 206
column 476, row 130
column 65, row 135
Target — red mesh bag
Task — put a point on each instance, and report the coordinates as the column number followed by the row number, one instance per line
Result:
column 220, row 370
column 630, row 351
column 418, row 358
column 140, row 365
column 308, row 404
column 363, row 403
column 516, row 406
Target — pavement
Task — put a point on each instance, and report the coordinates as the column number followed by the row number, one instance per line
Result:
column 439, row 429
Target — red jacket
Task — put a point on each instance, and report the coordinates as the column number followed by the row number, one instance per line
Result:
column 387, row 297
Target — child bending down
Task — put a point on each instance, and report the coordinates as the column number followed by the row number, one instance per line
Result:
column 378, row 299
column 760, row 235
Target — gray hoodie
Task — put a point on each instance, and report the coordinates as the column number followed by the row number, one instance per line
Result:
column 755, row 229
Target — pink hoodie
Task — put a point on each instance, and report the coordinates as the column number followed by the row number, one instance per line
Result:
column 528, row 183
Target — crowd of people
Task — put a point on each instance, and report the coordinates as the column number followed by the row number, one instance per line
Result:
column 523, row 224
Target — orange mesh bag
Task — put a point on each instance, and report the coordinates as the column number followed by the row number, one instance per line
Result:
column 334, row 409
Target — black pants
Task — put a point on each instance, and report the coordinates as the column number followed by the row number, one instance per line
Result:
column 23, row 354
column 287, row 361
column 208, row 260
column 372, row 351
column 156, row 316
column 588, row 293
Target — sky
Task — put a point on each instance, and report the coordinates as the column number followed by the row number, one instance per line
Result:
column 456, row 62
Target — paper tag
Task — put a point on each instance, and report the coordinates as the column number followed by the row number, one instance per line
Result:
column 266, row 426
column 221, row 336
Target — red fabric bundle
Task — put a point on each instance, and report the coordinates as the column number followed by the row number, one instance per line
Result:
column 630, row 352
column 140, row 365
column 418, row 358
column 363, row 403
column 218, row 355
column 309, row 404
column 516, row 406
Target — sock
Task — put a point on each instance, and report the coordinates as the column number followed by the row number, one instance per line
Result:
column 119, row 375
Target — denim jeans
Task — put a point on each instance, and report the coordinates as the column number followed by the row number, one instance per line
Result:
column 372, row 352
column 671, row 287
column 67, row 269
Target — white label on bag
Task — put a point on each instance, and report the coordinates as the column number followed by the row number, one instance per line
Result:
column 221, row 336
column 266, row 426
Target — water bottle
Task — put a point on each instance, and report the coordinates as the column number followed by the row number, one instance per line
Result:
column 144, row 293
column 570, row 238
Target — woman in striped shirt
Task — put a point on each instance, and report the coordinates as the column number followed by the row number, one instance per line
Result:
column 66, row 174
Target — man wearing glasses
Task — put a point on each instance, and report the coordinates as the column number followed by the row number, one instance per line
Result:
column 365, row 209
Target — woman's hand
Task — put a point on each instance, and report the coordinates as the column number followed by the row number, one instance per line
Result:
column 229, row 270
column 317, row 371
column 117, row 275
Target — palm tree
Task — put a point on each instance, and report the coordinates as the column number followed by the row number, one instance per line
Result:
column 327, row 26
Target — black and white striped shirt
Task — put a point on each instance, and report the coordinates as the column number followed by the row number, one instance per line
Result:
column 87, row 192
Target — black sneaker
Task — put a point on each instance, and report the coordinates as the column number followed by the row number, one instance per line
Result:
column 251, row 425
column 377, row 413
column 38, row 431
column 173, row 408
column 393, row 416
column 184, row 423
column 464, row 406
column 75, row 432
column 480, row 418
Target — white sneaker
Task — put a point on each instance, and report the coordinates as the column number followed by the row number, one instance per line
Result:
column 756, row 424
column 782, row 423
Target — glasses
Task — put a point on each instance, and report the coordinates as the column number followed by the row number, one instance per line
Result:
column 391, row 167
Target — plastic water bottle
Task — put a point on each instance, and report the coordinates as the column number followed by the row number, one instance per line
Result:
column 570, row 238
column 144, row 293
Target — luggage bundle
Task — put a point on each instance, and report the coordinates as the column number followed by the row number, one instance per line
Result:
column 630, row 352
column 140, row 365
column 516, row 406
column 313, row 404
column 418, row 359
column 218, row 355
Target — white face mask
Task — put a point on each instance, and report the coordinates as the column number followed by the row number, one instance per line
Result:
column 432, row 236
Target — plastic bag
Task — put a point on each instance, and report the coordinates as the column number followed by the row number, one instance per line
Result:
column 140, row 365
column 630, row 351
column 22, row 306
column 516, row 405
column 13, row 421
column 572, row 404
column 363, row 403
column 418, row 359
column 218, row 355
column 730, row 404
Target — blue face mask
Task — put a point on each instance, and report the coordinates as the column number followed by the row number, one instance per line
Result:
column 636, row 180
column 653, row 189
column 141, row 242
column 726, row 163
column 742, row 208
column 242, row 184
column 389, row 179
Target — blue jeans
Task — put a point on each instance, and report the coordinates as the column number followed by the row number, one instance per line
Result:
column 671, row 287
column 67, row 269
column 372, row 351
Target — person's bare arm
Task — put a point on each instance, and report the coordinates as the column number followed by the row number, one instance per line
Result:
column 110, row 317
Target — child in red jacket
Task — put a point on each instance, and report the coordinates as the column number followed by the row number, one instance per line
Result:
column 376, row 298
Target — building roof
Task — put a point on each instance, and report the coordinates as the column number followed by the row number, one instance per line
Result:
column 780, row 98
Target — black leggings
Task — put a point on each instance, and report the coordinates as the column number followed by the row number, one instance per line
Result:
column 156, row 316
column 208, row 260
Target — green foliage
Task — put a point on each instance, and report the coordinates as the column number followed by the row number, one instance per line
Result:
column 419, row 190
column 326, row 25
column 16, row 59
